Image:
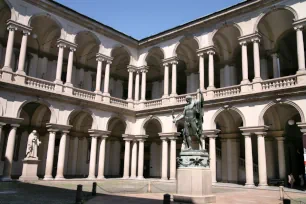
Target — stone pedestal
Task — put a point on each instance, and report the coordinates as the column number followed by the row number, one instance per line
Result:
column 29, row 170
column 194, row 178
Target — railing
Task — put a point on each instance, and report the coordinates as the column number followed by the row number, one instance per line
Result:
column 39, row 83
column 227, row 91
column 118, row 102
column 83, row 94
column 279, row 83
column 153, row 103
column 182, row 98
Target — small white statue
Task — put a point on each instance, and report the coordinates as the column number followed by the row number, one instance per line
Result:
column 32, row 145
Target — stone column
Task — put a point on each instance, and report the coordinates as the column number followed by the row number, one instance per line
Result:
column 99, row 75
column 106, row 78
column 248, row 160
column 211, row 68
column 174, row 78
column 143, row 83
column 9, row 49
column 61, row 156
column 126, row 172
column 130, row 92
column 166, row 80
column 93, row 155
column 201, row 71
column 213, row 159
column 224, row 160
column 140, row 158
column 281, row 157
column 134, row 160
column 69, row 67
column 164, row 159
column 203, row 142
column 262, row 164
column 50, row 155
column 257, row 77
column 276, row 73
column 9, row 153
column 173, row 158
column 300, row 49
column 23, row 50
column 137, row 86
column 59, row 65
column 102, row 157
column 245, row 68
column 75, row 144
column 229, row 160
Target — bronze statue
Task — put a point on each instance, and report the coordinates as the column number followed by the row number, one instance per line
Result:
column 193, row 115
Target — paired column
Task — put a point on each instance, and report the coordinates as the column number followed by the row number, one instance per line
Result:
column 248, row 160
column 23, row 50
column 174, row 78
column 173, row 158
column 130, row 91
column 276, row 71
column 70, row 67
column 101, row 158
column 99, row 75
column 201, row 71
column 245, row 68
column 262, row 164
column 213, row 160
column 137, row 85
column 59, row 65
column 50, row 155
column 134, row 160
column 300, row 48
column 93, row 155
column 126, row 172
column 9, row 153
column 166, row 80
column 164, row 159
column 211, row 68
column 140, row 158
column 106, row 78
column 257, row 77
column 61, row 155
column 143, row 83
column 9, row 48
column 281, row 157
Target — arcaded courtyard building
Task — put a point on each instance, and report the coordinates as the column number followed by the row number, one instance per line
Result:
column 102, row 101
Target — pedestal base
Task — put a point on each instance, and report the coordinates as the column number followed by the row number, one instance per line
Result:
column 29, row 170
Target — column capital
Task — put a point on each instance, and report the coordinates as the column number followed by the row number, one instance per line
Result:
column 131, row 68
column 64, row 43
column 170, row 60
column 253, row 129
column 52, row 127
column 279, row 138
column 13, row 25
column 260, row 134
column 98, row 133
column 303, row 127
column 211, row 133
column 243, row 40
column 168, row 135
column 141, row 138
column 144, row 69
column 206, row 50
column 101, row 57
column 299, row 24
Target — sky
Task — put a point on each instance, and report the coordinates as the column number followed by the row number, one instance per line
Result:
column 143, row 18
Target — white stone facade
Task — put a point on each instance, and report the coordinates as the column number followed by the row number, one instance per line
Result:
column 102, row 101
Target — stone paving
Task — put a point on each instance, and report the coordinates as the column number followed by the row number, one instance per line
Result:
column 63, row 192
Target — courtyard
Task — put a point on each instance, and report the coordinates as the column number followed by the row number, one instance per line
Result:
column 113, row 191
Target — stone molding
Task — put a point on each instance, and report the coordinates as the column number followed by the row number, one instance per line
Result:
column 254, row 130
column 170, row 60
column 211, row 133
column 58, row 127
column 98, row 133
column 207, row 50
column 129, row 137
column 18, row 26
column 249, row 38
column 102, row 57
column 65, row 43
column 298, row 24
column 168, row 135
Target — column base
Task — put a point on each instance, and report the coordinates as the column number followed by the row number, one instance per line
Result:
column 59, row 178
column 140, row 177
column 6, row 178
column 7, row 69
column 245, row 81
column 20, row 72
column 165, row 96
column 106, row 94
column 258, row 79
column 262, row 185
column 48, row 178
column 101, row 178
column 164, row 178
column 211, row 88
column 91, row 178
column 173, row 95
column 132, row 177
column 301, row 72
column 249, row 185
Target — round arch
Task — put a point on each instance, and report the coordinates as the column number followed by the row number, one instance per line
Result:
column 59, row 24
column 11, row 8
column 88, row 111
column 118, row 117
column 220, row 110
column 118, row 46
column 272, row 103
column 220, row 27
column 53, row 118
column 93, row 35
column 270, row 10
column 151, row 50
column 186, row 37
column 146, row 122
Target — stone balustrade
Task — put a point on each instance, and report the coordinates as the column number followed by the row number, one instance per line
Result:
column 118, row 102
column 153, row 103
column 279, row 83
column 81, row 93
column 39, row 83
column 227, row 91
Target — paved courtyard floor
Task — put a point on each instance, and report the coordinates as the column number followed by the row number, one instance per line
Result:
column 114, row 191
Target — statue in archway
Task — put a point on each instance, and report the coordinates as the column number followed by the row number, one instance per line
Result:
column 193, row 114
column 32, row 145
